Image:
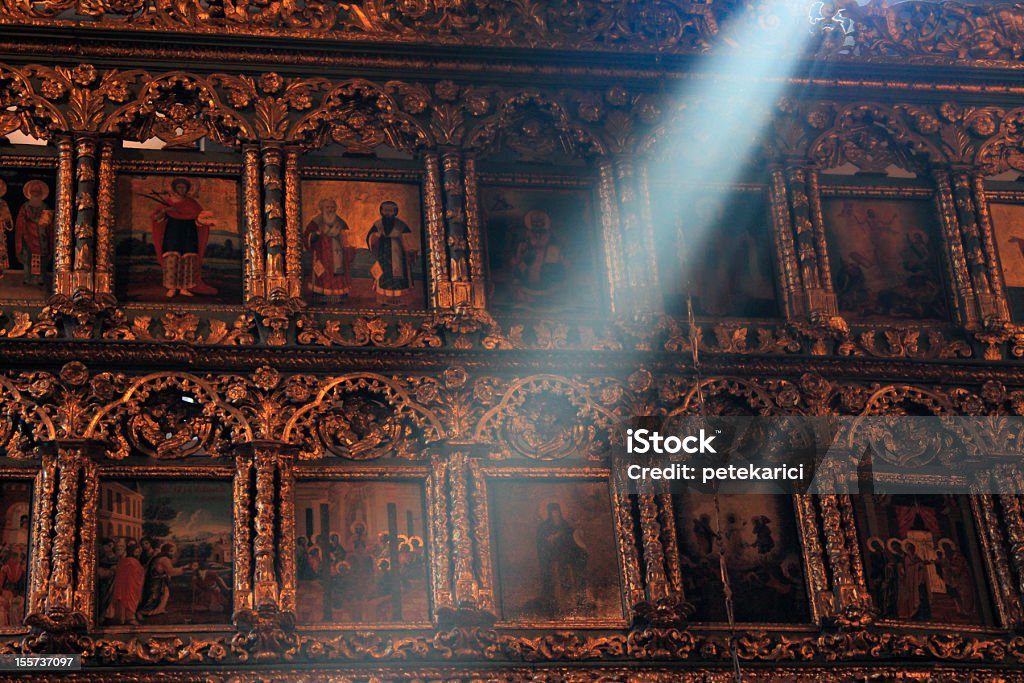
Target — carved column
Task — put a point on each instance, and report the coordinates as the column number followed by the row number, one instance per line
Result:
column 632, row 582
column 440, row 282
column 481, row 537
column 1013, row 513
column 670, row 541
column 473, row 235
column 994, row 544
column 1000, row 310
column 286, row 530
column 263, row 474
column 242, row 546
column 293, row 227
column 440, row 535
column 62, row 258
column 84, row 242
column 274, row 222
column 61, row 596
column 818, row 299
column 612, row 238
column 457, row 237
column 265, row 581
column 814, row 556
column 851, row 601
column 785, row 250
column 104, row 279
column 654, row 554
column 655, row 300
column 264, row 546
column 978, row 266
column 637, row 248
column 467, row 588
column 255, row 269
column 472, row 602
column 965, row 309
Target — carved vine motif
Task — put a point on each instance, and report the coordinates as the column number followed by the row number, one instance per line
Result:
column 921, row 31
column 666, row 24
column 167, row 417
column 366, row 415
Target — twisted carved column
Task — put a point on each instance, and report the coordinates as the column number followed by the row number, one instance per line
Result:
column 467, row 588
column 965, row 310
column 1000, row 311
column 293, row 227
column 785, row 250
column 104, row 278
column 473, row 232
column 61, row 600
column 440, row 281
column 809, row 242
column 62, row 258
column 255, row 270
column 273, row 214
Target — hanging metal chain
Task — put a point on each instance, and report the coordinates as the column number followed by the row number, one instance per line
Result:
column 723, row 567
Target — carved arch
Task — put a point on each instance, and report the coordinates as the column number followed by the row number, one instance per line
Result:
column 169, row 416
column 872, row 137
column 726, row 396
column 362, row 416
column 547, row 417
column 679, row 139
column 906, row 400
column 180, row 108
column 360, row 116
column 534, row 126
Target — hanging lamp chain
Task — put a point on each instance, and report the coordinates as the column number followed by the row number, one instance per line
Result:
column 723, row 567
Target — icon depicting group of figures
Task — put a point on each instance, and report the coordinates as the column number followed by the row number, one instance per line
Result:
column 164, row 553
column 333, row 247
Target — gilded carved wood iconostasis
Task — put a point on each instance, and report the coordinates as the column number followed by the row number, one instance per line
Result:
column 317, row 323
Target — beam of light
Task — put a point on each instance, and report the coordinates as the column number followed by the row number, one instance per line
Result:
column 727, row 106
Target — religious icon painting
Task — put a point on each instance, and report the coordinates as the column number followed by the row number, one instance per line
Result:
column 541, row 250
column 758, row 536
column 164, row 552
column 715, row 248
column 921, row 559
column 27, row 231
column 361, row 552
column 885, row 257
column 362, row 244
column 15, row 513
column 555, row 545
column 1008, row 225
column 178, row 239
